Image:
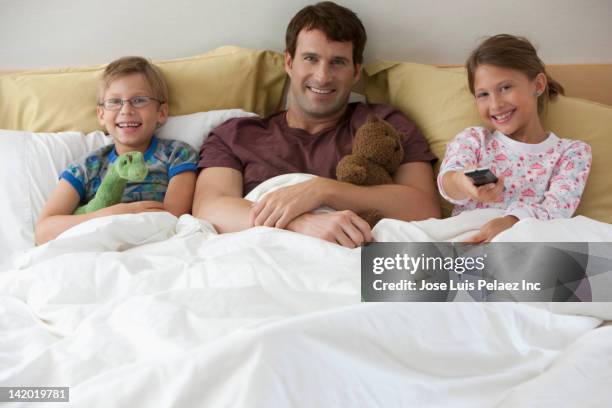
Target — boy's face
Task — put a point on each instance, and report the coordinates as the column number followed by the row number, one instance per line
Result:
column 131, row 128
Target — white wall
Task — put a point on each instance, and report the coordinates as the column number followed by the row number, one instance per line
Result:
column 53, row 33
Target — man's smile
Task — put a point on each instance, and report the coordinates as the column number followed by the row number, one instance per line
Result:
column 320, row 91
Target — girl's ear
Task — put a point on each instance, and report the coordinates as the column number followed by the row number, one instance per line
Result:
column 540, row 83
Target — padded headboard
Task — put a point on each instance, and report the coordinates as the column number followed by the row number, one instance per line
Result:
column 586, row 81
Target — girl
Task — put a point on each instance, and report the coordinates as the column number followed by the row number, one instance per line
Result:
column 539, row 175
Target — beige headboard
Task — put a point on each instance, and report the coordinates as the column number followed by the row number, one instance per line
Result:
column 587, row 81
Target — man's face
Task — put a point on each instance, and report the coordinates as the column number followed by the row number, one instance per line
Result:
column 322, row 74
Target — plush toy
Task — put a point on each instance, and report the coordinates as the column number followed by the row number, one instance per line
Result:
column 377, row 153
column 126, row 167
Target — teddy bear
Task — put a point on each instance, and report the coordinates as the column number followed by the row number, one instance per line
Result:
column 377, row 153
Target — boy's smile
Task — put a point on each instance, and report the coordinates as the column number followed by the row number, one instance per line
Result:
column 129, row 125
column 131, row 128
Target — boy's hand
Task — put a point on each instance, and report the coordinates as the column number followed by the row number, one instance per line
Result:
column 492, row 228
column 132, row 208
column 492, row 192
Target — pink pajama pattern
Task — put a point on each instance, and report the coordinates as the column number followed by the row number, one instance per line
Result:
column 543, row 180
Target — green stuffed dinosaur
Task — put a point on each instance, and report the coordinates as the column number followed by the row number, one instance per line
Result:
column 127, row 167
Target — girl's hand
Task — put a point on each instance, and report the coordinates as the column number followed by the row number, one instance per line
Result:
column 492, row 228
column 492, row 192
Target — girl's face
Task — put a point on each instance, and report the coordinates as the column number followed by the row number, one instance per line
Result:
column 508, row 101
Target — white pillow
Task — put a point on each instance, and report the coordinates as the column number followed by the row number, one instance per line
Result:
column 194, row 129
column 32, row 163
column 30, row 169
column 15, row 233
column 48, row 154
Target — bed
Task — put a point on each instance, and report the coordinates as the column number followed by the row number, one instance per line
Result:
column 150, row 310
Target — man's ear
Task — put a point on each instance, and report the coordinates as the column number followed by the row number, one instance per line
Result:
column 100, row 114
column 357, row 75
column 288, row 63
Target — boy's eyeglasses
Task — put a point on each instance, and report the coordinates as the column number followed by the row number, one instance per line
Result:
column 137, row 102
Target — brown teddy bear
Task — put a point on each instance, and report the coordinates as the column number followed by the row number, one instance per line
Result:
column 377, row 153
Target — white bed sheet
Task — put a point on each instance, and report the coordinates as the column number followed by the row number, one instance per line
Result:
column 147, row 310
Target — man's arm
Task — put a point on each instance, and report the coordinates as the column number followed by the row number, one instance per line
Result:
column 413, row 197
column 218, row 199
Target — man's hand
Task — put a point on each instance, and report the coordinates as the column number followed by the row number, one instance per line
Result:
column 280, row 207
column 492, row 228
column 340, row 227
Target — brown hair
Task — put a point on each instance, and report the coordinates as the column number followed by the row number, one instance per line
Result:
column 509, row 51
column 134, row 65
column 337, row 22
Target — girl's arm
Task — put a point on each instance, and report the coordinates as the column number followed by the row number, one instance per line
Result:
column 565, row 189
column 460, row 188
column 491, row 229
column 464, row 153
column 57, row 214
column 560, row 200
column 179, row 195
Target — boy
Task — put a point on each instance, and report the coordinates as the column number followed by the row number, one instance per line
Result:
column 132, row 104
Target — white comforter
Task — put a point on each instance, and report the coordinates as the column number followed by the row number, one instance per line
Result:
column 147, row 310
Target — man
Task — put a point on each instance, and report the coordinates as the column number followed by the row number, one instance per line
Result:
column 323, row 57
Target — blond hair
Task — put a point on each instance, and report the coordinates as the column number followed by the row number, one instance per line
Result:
column 134, row 65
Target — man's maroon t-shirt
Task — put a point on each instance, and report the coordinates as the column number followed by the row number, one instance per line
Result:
column 262, row 148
